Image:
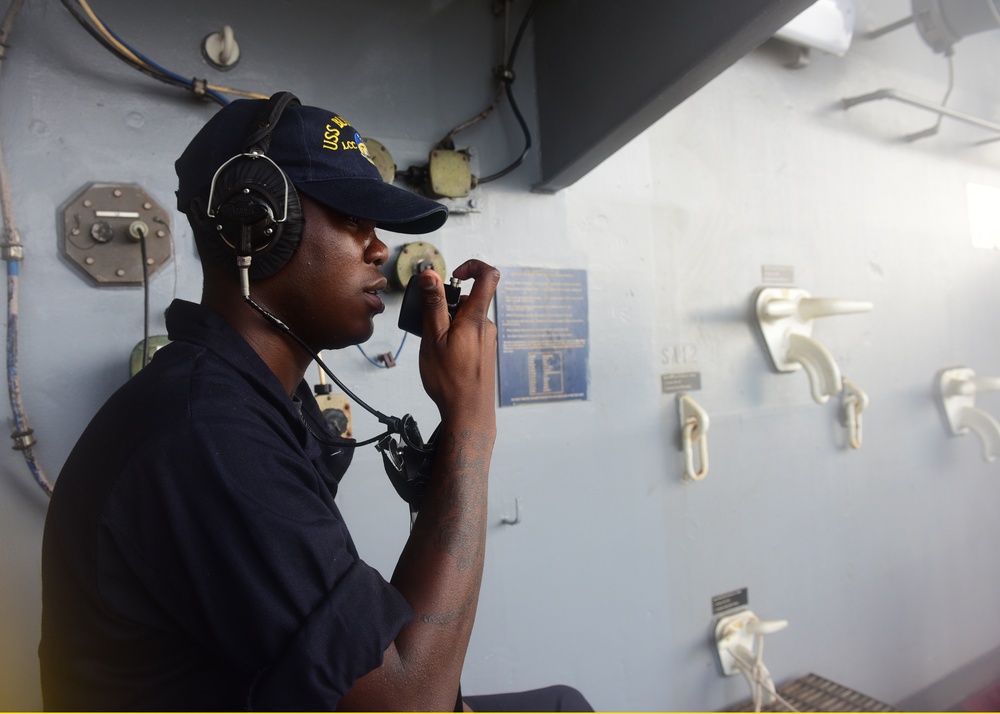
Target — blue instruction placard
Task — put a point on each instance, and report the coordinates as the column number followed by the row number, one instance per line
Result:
column 543, row 335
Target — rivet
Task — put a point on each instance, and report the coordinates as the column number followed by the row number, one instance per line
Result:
column 120, row 272
column 117, row 193
column 160, row 233
column 147, row 205
column 88, row 203
column 88, row 261
column 149, row 261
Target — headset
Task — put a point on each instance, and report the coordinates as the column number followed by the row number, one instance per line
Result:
column 254, row 206
column 258, row 216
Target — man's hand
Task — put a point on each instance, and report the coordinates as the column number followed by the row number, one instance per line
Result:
column 458, row 356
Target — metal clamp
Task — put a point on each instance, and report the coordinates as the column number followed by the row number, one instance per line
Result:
column 694, row 428
column 855, row 401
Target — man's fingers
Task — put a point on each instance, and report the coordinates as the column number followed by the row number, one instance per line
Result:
column 435, row 307
column 486, row 278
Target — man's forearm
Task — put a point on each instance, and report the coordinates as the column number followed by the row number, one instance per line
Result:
column 441, row 567
column 439, row 573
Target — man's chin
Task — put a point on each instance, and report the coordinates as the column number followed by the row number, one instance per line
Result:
column 356, row 340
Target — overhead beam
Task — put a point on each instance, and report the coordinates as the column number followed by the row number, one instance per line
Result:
column 605, row 72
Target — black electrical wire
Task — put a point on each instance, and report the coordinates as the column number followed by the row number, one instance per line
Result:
column 507, row 77
column 527, row 141
column 145, row 299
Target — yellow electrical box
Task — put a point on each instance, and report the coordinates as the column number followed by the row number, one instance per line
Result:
column 450, row 173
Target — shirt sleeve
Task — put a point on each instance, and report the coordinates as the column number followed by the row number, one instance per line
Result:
column 241, row 548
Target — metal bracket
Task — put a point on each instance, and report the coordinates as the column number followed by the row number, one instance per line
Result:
column 957, row 389
column 785, row 317
column 913, row 101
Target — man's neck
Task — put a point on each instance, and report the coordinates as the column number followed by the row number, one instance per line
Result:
column 280, row 352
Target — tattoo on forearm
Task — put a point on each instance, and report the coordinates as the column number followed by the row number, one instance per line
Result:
column 458, row 538
column 446, row 618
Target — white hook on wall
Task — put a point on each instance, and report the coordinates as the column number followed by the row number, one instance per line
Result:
column 739, row 639
column 221, row 49
column 785, row 317
column 957, row 389
column 855, row 401
column 694, row 429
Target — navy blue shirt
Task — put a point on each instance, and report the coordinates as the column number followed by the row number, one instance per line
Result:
column 193, row 554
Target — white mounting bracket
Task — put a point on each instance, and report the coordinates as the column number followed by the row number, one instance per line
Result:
column 957, row 389
column 786, row 316
column 694, row 429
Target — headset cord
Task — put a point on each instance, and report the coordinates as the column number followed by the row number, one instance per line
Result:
column 394, row 425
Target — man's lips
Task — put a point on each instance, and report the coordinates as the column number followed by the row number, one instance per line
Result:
column 372, row 295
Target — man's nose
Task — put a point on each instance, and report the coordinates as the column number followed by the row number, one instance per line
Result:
column 378, row 252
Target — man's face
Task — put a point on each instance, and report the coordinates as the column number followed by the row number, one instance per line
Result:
column 329, row 291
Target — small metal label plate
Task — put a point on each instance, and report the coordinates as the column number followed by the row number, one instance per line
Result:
column 777, row 274
column 730, row 601
column 680, row 382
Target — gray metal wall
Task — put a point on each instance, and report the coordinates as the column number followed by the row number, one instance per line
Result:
column 882, row 559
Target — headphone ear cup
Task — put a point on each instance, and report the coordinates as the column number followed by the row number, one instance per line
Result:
column 249, row 211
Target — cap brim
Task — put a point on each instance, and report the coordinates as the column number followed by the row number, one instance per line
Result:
column 390, row 207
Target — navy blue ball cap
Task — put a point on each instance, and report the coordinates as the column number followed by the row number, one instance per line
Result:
column 323, row 156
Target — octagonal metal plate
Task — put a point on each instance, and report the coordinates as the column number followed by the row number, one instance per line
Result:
column 101, row 228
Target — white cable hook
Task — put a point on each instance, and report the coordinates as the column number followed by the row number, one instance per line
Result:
column 740, row 642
